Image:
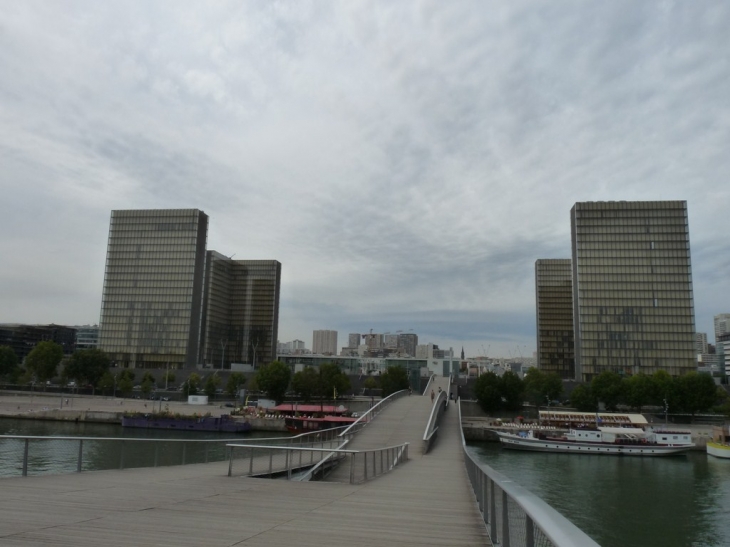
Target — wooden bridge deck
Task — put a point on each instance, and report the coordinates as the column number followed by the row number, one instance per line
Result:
column 427, row 501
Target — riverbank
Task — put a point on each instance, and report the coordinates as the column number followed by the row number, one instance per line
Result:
column 109, row 410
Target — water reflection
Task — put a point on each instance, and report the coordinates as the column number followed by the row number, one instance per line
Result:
column 624, row 501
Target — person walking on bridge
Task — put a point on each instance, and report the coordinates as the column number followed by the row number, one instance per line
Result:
column 432, row 395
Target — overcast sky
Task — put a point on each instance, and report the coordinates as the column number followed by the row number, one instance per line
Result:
column 406, row 162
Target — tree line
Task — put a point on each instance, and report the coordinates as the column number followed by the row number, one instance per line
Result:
column 690, row 393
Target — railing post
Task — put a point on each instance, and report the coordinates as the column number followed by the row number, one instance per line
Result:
column 352, row 468
column 121, row 456
column 271, row 462
column 505, row 519
column 529, row 532
column 492, row 511
column 206, row 452
column 81, row 455
column 157, row 453
column 230, row 461
column 365, row 464
column 375, row 469
column 287, row 463
column 381, row 462
column 185, row 447
column 25, row 458
column 250, row 464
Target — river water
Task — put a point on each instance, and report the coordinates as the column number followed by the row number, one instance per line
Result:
column 681, row 501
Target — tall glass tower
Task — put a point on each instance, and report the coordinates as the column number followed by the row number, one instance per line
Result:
column 153, row 287
column 554, row 299
column 633, row 307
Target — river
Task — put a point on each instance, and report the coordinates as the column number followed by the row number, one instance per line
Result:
column 678, row 501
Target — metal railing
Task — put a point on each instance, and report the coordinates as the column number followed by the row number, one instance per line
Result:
column 514, row 516
column 368, row 416
column 292, row 462
column 432, row 427
column 33, row 455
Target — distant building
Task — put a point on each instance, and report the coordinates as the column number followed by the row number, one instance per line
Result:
column 722, row 325
column 633, row 308
column 353, row 340
column 407, row 343
column 87, row 336
column 723, row 353
column 153, row 287
column 701, row 343
column 554, row 299
column 23, row 338
column 324, row 342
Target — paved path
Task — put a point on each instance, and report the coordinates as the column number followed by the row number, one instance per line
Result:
column 425, row 502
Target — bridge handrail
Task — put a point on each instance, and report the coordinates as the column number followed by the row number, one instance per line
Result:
column 438, row 408
column 538, row 521
column 363, row 420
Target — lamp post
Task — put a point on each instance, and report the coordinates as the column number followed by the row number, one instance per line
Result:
column 223, row 355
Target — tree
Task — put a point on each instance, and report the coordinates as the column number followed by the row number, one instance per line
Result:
column 191, row 385
column 332, row 381
column 513, row 389
column 583, row 399
column 168, row 377
column 125, row 383
column 542, row 387
column 488, row 392
column 306, row 384
column 370, row 383
column 235, row 381
column 273, row 379
column 211, row 385
column 106, row 383
column 148, row 382
column 638, row 391
column 87, row 366
column 395, row 378
column 608, row 388
column 8, row 361
column 43, row 360
column 696, row 392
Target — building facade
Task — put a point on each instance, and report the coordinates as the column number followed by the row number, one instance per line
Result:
column 633, row 307
column 554, row 306
column 23, row 338
column 87, row 336
column 324, row 342
column 722, row 325
column 407, row 343
column 701, row 343
column 153, row 287
column 241, row 311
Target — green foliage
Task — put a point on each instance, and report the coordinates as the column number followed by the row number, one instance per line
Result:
column 125, row 384
column 607, row 387
column 542, row 387
column 395, row 378
column 168, row 376
column 191, row 385
column 8, row 361
column 87, row 366
column 274, row 379
column 583, row 399
column 639, row 390
column 43, row 360
column 664, row 389
column 106, row 383
column 512, row 388
column 126, row 373
column 306, row 383
column 696, row 392
column 146, row 386
column 235, row 381
column 211, row 384
column 332, row 381
column 488, row 391
column 370, row 383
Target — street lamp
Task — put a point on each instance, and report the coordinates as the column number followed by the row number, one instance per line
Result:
column 223, row 355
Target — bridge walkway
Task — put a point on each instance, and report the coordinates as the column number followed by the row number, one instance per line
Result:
column 426, row 502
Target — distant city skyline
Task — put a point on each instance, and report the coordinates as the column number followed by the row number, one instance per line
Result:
column 406, row 163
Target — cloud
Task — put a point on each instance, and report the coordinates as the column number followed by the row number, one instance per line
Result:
column 405, row 162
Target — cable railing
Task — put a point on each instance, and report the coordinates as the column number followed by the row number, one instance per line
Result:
column 514, row 516
column 432, row 427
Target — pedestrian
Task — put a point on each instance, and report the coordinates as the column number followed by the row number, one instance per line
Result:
column 432, row 395
column 410, row 390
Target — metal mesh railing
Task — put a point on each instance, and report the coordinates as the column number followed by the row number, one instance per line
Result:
column 33, row 455
column 513, row 516
column 294, row 461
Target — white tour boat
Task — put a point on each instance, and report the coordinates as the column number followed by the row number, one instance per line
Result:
column 627, row 441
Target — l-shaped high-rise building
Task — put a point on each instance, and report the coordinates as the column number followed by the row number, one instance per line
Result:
column 162, row 306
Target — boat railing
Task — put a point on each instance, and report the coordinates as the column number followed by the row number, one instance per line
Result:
column 44, row 455
column 513, row 515
column 294, row 462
